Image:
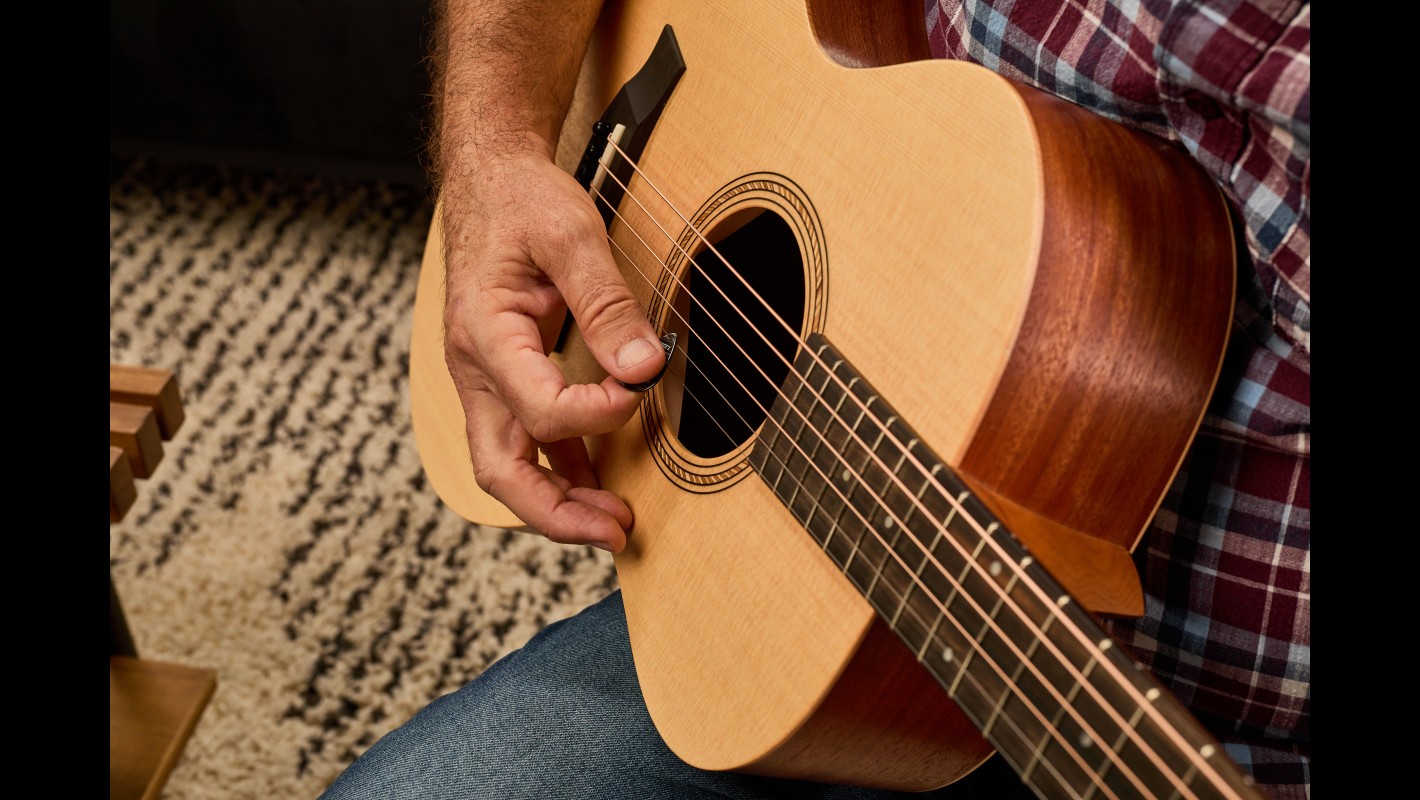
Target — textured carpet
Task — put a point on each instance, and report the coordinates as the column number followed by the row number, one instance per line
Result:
column 289, row 539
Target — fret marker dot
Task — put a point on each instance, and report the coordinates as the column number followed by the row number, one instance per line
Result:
column 847, row 475
column 1153, row 694
column 1085, row 741
column 1206, row 751
column 947, row 654
column 995, row 568
column 1105, row 644
column 887, row 523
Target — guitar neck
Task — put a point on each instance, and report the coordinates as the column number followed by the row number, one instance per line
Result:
column 1046, row 686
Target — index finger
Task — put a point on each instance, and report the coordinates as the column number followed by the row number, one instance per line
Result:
column 505, row 465
column 536, row 391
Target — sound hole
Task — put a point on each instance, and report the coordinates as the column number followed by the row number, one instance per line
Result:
column 736, row 353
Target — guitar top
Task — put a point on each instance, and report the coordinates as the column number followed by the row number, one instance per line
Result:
column 941, row 344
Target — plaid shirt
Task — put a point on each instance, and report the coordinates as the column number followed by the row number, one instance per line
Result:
column 1227, row 560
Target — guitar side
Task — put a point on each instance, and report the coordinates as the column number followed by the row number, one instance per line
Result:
column 1065, row 392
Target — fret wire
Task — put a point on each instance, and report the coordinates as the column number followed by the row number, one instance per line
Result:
column 1187, row 779
column 1009, row 692
column 962, row 672
column 868, row 523
column 898, row 528
column 990, row 616
column 1030, row 648
column 1130, row 750
column 819, row 441
column 1011, row 759
column 848, row 391
column 664, row 199
column 976, row 557
column 1048, row 744
column 1015, row 675
column 1133, row 724
column 781, row 435
column 1009, row 587
column 965, row 674
column 1005, row 751
column 925, row 484
column 1020, row 735
column 869, row 455
column 1044, row 632
column 857, row 550
column 966, row 664
column 828, row 479
column 797, row 424
column 794, row 402
column 937, row 537
column 965, row 570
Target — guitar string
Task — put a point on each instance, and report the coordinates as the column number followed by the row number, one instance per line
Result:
column 1049, row 603
column 892, row 550
column 1035, row 748
column 1184, row 746
column 1081, row 678
column 990, row 620
column 1140, row 698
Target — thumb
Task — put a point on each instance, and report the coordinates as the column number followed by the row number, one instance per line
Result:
column 611, row 320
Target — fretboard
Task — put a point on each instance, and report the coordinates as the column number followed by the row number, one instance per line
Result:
column 1040, row 678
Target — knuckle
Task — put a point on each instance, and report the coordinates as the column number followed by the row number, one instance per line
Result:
column 458, row 344
column 487, row 479
column 461, row 356
column 564, row 226
column 458, row 311
column 558, row 537
column 583, row 221
column 605, row 305
column 570, row 228
column 545, row 429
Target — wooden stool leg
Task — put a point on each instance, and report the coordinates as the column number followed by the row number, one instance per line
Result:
column 134, row 430
column 120, row 639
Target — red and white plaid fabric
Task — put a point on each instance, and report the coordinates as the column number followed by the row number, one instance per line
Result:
column 1227, row 561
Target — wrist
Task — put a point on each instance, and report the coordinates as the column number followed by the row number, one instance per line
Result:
column 468, row 152
column 478, row 172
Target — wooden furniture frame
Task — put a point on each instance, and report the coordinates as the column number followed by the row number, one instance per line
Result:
column 153, row 706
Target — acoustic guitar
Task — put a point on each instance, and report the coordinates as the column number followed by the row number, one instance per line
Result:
column 940, row 344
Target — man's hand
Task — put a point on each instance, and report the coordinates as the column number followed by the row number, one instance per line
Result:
column 523, row 242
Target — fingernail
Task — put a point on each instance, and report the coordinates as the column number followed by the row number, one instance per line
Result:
column 634, row 352
column 601, row 546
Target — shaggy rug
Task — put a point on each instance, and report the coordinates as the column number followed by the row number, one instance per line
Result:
column 289, row 539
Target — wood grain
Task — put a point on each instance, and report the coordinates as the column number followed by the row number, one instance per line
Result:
column 875, row 34
column 152, row 710
column 121, row 490
column 134, row 430
column 1086, row 413
column 941, row 212
column 146, row 386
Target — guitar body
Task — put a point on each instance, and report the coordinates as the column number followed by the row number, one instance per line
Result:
column 1042, row 295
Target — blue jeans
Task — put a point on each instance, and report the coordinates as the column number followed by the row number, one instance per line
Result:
column 563, row 718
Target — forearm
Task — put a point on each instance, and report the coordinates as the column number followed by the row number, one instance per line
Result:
column 504, row 75
column 523, row 244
